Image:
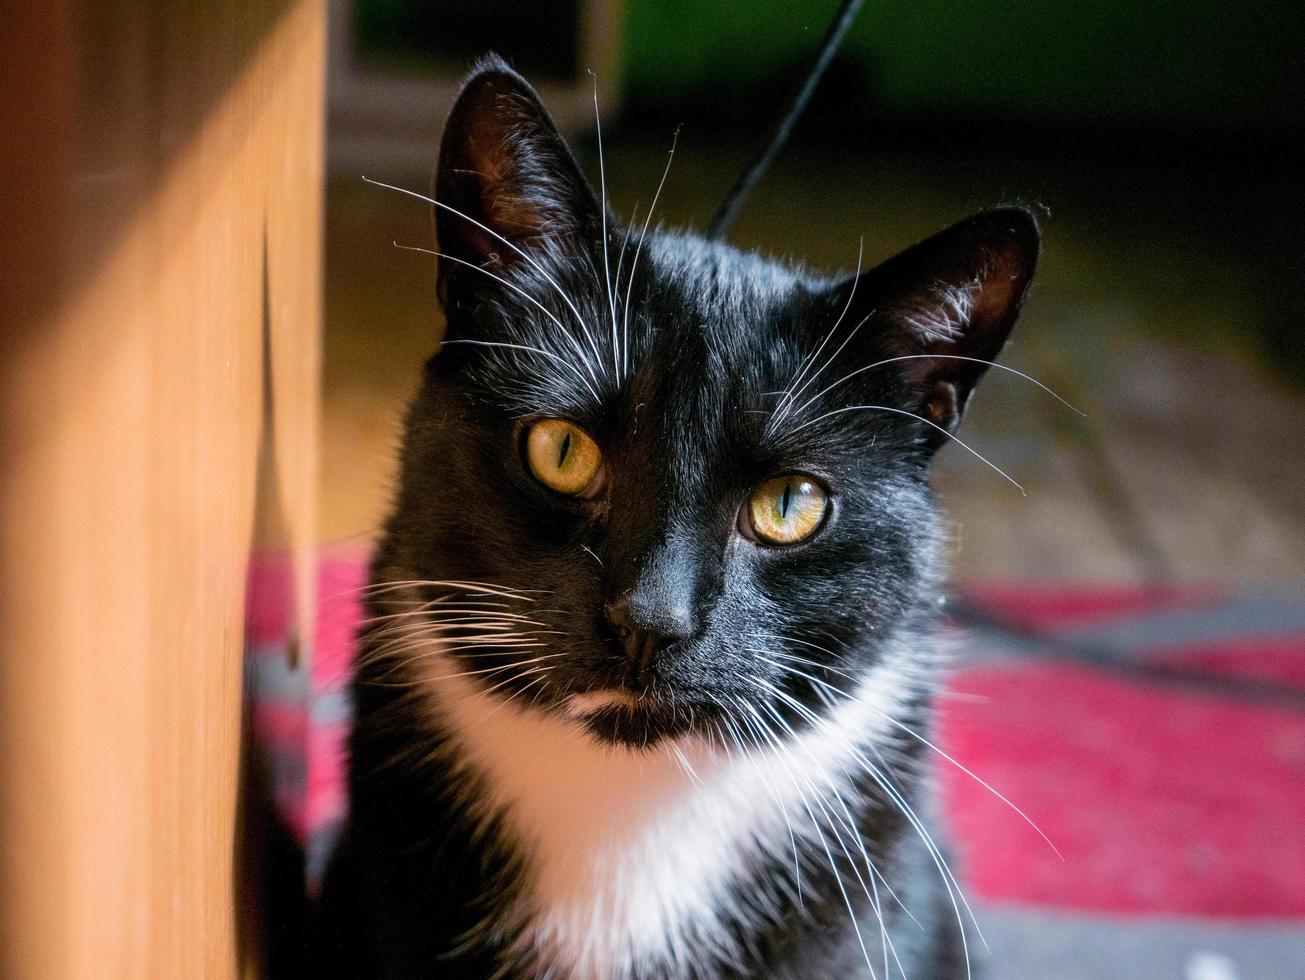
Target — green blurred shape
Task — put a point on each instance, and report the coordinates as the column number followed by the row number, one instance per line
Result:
column 1189, row 62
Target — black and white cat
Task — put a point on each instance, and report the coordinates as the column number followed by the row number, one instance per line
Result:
column 646, row 680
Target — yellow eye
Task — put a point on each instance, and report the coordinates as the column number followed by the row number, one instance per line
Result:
column 562, row 457
column 787, row 509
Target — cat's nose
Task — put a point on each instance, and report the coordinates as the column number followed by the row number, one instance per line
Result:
column 645, row 633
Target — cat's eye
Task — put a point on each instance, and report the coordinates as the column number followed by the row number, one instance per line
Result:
column 562, row 457
column 787, row 509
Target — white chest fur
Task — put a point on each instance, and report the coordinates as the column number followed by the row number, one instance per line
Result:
column 631, row 854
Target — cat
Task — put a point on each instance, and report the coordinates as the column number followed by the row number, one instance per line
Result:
column 646, row 678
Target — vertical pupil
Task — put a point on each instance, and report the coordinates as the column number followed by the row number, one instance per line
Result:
column 786, row 499
column 563, row 450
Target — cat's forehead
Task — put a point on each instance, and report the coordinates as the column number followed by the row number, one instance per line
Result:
column 724, row 288
column 727, row 318
column 722, row 334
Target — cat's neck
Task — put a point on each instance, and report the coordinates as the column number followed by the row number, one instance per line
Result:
column 637, row 857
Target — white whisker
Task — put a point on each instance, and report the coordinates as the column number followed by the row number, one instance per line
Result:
column 584, row 357
column 901, row 411
column 634, row 265
column 533, row 350
column 943, row 357
column 789, row 393
column 783, row 754
column 948, row 878
column 607, row 271
column 489, row 231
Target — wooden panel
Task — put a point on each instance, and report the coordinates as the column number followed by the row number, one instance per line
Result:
column 161, row 212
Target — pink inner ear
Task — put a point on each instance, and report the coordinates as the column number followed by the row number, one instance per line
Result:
column 1002, row 282
column 515, row 217
column 490, row 161
column 498, row 180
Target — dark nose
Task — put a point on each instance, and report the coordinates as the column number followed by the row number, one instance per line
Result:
column 644, row 633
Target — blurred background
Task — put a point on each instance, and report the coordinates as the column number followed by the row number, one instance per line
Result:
column 1132, row 629
column 207, row 339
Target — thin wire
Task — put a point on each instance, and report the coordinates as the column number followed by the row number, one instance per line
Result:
column 787, row 120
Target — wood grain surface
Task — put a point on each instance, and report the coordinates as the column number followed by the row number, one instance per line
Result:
column 161, row 239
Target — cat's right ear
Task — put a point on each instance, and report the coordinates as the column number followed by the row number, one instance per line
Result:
column 942, row 309
column 507, row 185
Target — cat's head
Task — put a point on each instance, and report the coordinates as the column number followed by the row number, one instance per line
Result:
column 653, row 483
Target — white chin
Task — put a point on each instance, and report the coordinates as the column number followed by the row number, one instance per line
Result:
column 583, row 705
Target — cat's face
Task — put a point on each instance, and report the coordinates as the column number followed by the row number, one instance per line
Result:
column 657, row 484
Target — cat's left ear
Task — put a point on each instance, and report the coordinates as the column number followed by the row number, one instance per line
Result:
column 947, row 305
column 508, row 184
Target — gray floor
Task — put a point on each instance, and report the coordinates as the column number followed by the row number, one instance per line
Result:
column 1034, row 945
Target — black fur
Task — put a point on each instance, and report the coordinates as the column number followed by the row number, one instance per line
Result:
column 690, row 417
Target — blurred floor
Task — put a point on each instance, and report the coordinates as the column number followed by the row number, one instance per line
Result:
column 1153, row 289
